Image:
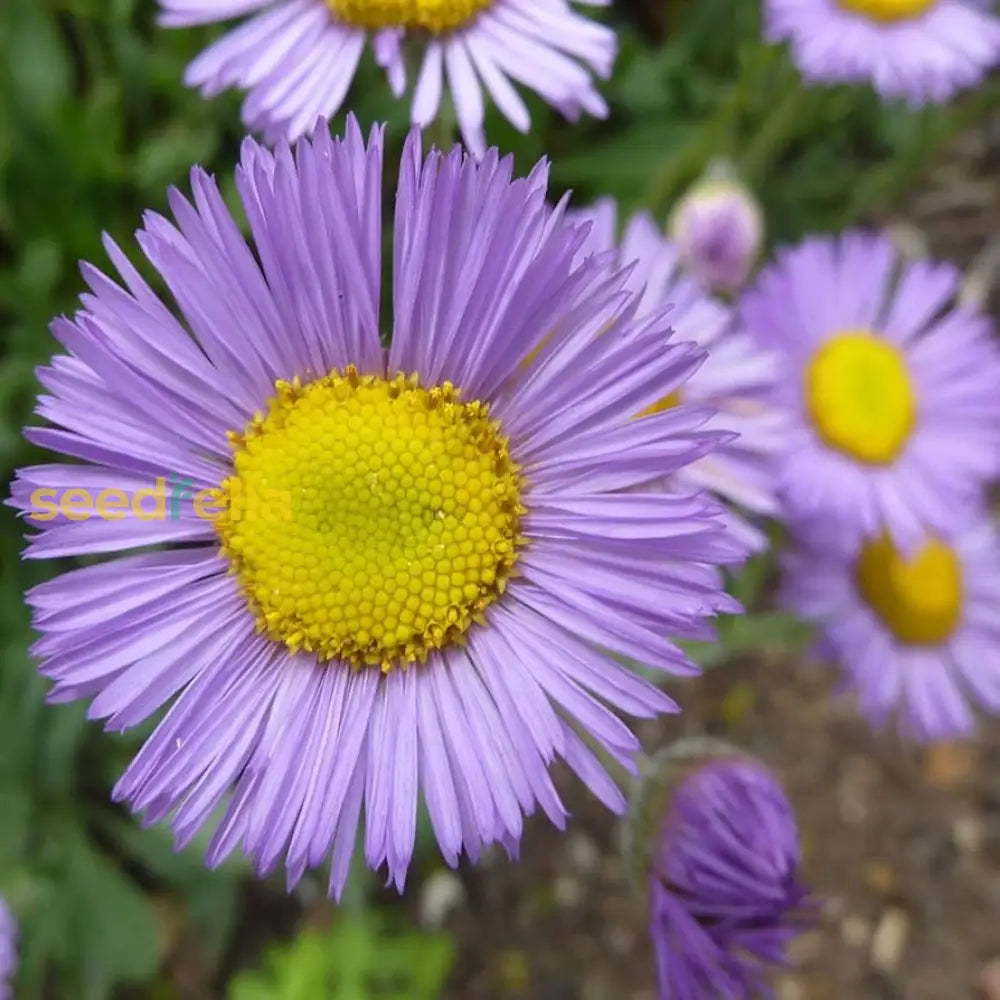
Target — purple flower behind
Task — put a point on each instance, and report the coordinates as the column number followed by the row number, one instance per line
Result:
column 725, row 895
column 8, row 951
column 915, row 635
column 736, row 380
column 889, row 383
column 924, row 51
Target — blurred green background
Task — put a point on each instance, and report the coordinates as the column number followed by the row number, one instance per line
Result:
column 95, row 124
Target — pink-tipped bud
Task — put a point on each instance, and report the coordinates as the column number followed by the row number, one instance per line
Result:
column 718, row 228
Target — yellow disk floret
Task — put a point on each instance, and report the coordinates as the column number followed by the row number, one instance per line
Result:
column 860, row 398
column 435, row 16
column 888, row 10
column 668, row 402
column 919, row 599
column 370, row 519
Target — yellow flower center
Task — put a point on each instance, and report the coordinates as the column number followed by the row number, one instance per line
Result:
column 888, row 10
column 860, row 398
column 668, row 402
column 920, row 598
column 370, row 519
column 435, row 16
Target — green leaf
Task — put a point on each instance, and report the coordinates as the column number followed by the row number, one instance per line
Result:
column 364, row 957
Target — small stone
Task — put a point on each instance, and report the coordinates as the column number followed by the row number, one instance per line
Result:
column 948, row 765
column 567, row 892
column 889, row 940
column 620, row 940
column 442, row 893
column 968, row 833
column 855, row 931
column 806, row 947
column 583, row 853
column 790, row 989
column 880, row 878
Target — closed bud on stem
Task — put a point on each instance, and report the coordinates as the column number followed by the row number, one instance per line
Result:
column 719, row 230
column 712, row 838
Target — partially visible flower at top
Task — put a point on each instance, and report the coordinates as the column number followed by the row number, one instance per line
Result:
column 736, row 378
column 722, row 869
column 916, row 635
column 297, row 58
column 718, row 227
column 891, row 387
column 396, row 569
column 923, row 51
column 8, row 951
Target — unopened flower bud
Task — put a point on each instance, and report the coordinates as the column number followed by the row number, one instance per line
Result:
column 717, row 841
column 719, row 228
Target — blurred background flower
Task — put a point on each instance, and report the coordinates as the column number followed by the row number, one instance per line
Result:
column 735, row 381
column 298, row 58
column 918, row 632
column 891, row 386
column 917, row 50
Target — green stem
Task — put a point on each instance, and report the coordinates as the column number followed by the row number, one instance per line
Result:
column 442, row 131
column 684, row 166
column 778, row 129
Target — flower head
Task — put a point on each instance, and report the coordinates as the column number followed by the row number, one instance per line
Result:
column 915, row 633
column 892, row 387
column 724, row 889
column 8, row 951
column 297, row 58
column 921, row 50
column 718, row 228
column 389, row 570
column 735, row 380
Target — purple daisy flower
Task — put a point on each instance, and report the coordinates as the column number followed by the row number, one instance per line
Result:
column 725, row 895
column 914, row 634
column 8, row 951
column 394, row 570
column 920, row 50
column 297, row 58
column 736, row 379
column 718, row 228
column 892, row 387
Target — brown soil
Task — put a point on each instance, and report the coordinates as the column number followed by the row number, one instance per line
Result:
column 903, row 844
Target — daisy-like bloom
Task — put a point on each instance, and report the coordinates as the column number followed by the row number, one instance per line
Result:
column 891, row 386
column 296, row 59
column 725, row 895
column 736, row 379
column 916, row 634
column 8, row 951
column 923, row 51
column 388, row 569
column 719, row 229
